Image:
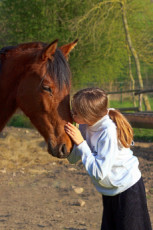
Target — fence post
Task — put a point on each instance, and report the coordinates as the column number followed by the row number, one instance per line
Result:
column 121, row 88
column 140, row 102
column 108, row 96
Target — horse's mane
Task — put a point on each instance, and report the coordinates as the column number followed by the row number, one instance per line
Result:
column 9, row 50
column 58, row 68
column 22, row 47
column 3, row 51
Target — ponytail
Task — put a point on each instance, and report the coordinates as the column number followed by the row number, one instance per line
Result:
column 124, row 129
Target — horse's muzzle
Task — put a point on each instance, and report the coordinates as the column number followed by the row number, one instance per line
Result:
column 59, row 152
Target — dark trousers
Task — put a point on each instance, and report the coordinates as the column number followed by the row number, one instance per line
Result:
column 127, row 210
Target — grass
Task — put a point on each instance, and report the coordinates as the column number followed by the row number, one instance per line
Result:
column 143, row 135
column 118, row 104
column 127, row 103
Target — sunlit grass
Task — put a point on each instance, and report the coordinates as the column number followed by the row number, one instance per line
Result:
column 143, row 135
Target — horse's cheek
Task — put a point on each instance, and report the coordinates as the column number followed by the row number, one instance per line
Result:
column 47, row 104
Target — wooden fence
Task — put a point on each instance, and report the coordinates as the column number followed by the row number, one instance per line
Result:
column 137, row 119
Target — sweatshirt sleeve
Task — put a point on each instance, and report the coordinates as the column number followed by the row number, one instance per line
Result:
column 74, row 156
column 98, row 166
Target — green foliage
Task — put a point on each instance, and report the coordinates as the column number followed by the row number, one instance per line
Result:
column 103, row 53
column 19, row 21
column 140, row 22
column 19, row 120
column 99, row 51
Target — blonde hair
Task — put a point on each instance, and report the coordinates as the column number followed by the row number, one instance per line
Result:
column 91, row 104
column 124, row 129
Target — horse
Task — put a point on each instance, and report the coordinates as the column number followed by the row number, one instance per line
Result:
column 36, row 78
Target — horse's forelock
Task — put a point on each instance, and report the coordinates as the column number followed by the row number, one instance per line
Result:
column 59, row 70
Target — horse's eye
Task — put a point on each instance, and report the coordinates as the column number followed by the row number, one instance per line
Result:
column 47, row 88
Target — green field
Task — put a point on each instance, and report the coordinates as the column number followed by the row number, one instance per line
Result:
column 127, row 103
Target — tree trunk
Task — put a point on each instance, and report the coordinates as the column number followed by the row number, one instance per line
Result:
column 134, row 53
column 133, row 81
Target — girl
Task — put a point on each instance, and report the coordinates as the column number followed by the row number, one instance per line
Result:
column 103, row 142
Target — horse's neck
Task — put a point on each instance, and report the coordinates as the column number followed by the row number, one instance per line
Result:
column 8, row 105
column 12, row 71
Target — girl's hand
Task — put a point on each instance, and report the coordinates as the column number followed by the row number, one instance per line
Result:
column 74, row 133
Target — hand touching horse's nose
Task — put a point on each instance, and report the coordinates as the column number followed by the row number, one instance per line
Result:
column 74, row 133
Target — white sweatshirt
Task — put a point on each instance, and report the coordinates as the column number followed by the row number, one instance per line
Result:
column 112, row 168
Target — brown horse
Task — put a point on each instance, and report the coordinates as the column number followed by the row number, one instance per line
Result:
column 36, row 78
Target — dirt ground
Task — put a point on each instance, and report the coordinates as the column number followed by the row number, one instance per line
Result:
column 38, row 191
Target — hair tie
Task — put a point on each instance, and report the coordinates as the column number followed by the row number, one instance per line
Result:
column 109, row 110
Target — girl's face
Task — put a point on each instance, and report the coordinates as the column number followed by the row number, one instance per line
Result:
column 78, row 119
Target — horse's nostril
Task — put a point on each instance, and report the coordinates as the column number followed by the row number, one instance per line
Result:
column 62, row 151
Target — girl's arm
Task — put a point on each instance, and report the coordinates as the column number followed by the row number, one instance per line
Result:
column 74, row 156
column 98, row 166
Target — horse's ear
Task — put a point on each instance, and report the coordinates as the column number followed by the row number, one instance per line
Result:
column 49, row 50
column 66, row 49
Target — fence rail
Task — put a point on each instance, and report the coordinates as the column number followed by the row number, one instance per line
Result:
column 124, row 91
column 129, row 109
column 144, row 91
column 140, row 119
column 136, row 91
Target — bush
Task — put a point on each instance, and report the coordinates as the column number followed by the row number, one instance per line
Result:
column 19, row 120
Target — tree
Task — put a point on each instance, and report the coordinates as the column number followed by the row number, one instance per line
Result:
column 134, row 52
column 103, row 16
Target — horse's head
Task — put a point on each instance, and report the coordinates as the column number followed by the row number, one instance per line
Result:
column 43, row 94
